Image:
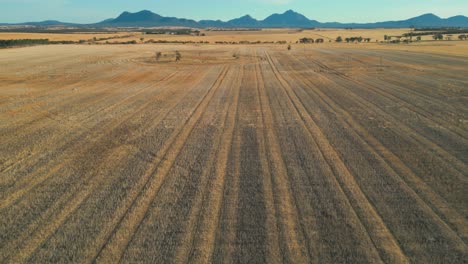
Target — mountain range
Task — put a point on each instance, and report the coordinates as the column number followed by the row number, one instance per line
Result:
column 288, row 19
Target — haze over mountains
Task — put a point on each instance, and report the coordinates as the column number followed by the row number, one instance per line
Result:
column 289, row 18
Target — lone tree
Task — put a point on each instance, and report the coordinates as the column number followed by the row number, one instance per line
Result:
column 158, row 55
column 339, row 39
column 306, row 40
column 438, row 36
column 178, row 56
column 289, row 47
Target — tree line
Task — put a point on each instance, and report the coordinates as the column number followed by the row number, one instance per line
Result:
column 310, row 40
column 22, row 42
column 353, row 39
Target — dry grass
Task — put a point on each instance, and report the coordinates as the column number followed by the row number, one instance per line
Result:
column 326, row 153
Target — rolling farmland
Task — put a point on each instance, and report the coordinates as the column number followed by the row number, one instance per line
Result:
column 320, row 154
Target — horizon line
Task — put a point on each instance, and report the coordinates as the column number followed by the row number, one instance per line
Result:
column 198, row 20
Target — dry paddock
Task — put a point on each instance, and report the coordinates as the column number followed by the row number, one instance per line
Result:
column 320, row 154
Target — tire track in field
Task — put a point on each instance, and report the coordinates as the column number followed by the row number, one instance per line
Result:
column 21, row 250
column 225, row 251
column 28, row 183
column 442, row 91
column 423, row 89
column 308, row 170
column 272, row 227
column 68, row 194
column 45, row 66
column 52, row 88
column 380, row 235
column 34, row 123
column 443, row 68
column 204, row 243
column 450, row 112
column 286, row 208
column 416, row 109
column 430, row 196
column 58, row 87
column 162, row 83
column 128, row 220
column 429, row 199
column 436, row 98
column 169, row 194
column 187, row 245
column 74, row 200
column 62, row 95
column 249, row 238
column 98, row 134
column 442, row 154
column 46, row 91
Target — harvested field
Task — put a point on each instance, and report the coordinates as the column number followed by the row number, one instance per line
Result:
column 321, row 154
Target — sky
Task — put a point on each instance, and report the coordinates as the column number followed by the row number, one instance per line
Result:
column 90, row 11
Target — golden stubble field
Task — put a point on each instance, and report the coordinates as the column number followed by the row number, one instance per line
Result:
column 321, row 154
column 263, row 35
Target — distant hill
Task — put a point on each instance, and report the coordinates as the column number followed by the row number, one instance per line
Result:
column 47, row 23
column 147, row 18
column 288, row 19
column 426, row 20
column 245, row 21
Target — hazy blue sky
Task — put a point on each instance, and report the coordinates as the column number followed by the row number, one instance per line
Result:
column 86, row 11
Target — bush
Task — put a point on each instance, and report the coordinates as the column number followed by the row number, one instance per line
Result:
column 339, row 39
column 357, row 39
column 438, row 36
column 306, row 40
